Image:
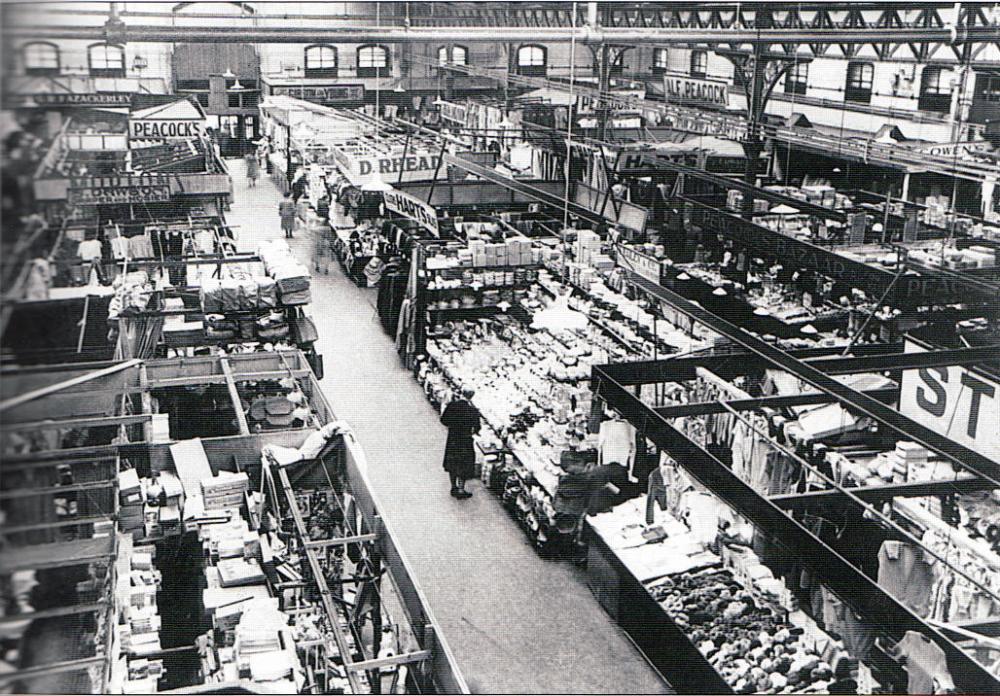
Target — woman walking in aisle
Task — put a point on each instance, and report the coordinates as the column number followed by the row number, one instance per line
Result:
column 463, row 421
column 251, row 161
column 286, row 210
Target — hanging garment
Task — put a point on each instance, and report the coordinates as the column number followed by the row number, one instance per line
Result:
column 616, row 443
column 839, row 618
column 925, row 664
column 657, row 495
column 903, row 572
column 89, row 250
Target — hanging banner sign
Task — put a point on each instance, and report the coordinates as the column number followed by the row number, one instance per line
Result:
column 112, row 190
column 450, row 111
column 690, row 90
column 955, row 402
column 412, row 208
column 165, row 129
column 957, row 149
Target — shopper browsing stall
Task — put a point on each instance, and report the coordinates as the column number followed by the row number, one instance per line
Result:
column 286, row 210
column 463, row 420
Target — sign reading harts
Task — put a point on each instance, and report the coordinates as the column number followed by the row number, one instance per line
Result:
column 690, row 90
column 413, row 208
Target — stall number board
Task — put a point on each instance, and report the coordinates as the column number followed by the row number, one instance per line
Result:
column 111, row 190
column 412, row 208
column 955, row 402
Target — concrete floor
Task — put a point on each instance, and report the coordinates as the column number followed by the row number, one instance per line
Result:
column 515, row 622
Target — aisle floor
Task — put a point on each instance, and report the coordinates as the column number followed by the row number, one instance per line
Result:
column 516, row 623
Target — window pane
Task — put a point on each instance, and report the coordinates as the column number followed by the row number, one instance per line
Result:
column 458, row 55
column 107, row 57
column 40, row 55
column 660, row 58
column 531, row 56
column 442, row 55
column 372, row 57
column 321, row 57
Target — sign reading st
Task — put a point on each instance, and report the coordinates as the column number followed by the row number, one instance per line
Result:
column 955, row 402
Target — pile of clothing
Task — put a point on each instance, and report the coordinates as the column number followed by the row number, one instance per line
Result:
column 292, row 277
column 237, row 291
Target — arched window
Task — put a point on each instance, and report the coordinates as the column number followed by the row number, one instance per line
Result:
column 321, row 61
column 659, row 61
column 935, row 90
column 699, row 63
column 532, row 60
column 41, row 58
column 859, row 82
column 373, row 61
column 106, row 60
column 459, row 56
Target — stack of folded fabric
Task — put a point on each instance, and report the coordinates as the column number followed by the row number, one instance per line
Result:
column 219, row 328
column 292, row 277
column 272, row 327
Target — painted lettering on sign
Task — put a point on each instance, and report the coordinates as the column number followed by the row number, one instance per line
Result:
column 165, row 129
column 955, row 402
column 115, row 190
column 690, row 89
column 394, row 165
column 96, row 99
column 637, row 262
column 412, row 208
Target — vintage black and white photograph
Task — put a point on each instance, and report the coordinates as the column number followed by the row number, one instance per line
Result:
column 500, row 347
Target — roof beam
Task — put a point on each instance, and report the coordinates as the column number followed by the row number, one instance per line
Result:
column 254, row 33
column 48, row 390
column 886, row 395
column 875, row 494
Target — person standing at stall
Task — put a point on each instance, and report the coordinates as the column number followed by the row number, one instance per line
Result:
column 286, row 211
column 463, row 420
column 250, row 159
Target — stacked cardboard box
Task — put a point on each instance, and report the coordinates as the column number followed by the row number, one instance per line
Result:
column 131, row 498
column 225, row 490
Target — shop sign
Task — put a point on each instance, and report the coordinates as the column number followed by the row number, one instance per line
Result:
column 112, row 190
column 96, row 99
column 417, row 167
column 615, row 102
column 413, row 208
column 328, row 94
column 166, row 129
column 955, row 402
column 639, row 263
column 957, row 149
column 724, row 128
column 450, row 111
column 689, row 90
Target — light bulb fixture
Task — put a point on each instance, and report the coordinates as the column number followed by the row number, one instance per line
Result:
column 229, row 74
column 236, row 86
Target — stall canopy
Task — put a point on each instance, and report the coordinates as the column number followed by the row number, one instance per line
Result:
column 550, row 96
column 717, row 147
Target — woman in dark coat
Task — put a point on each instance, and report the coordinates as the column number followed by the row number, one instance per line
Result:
column 463, row 421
